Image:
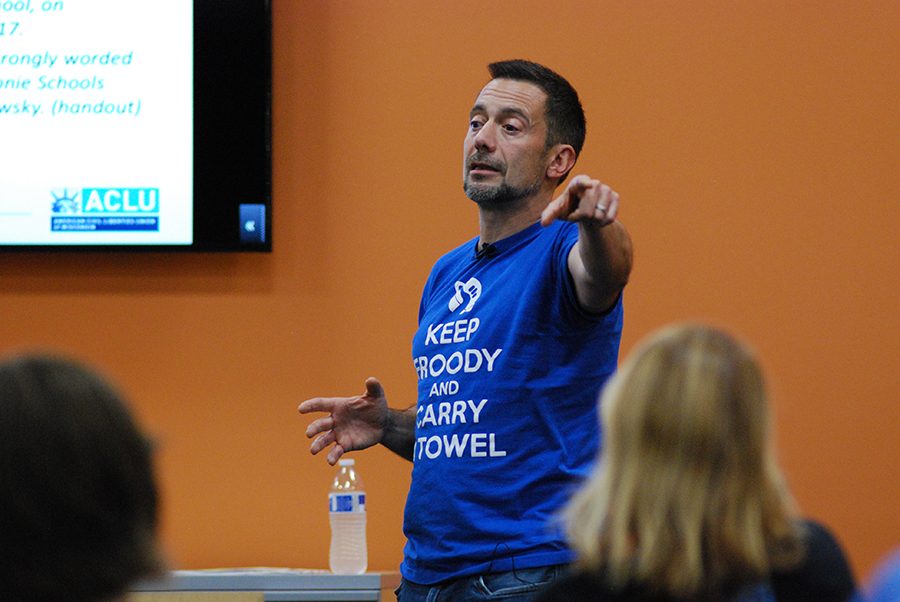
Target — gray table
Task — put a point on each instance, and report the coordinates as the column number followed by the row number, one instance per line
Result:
column 279, row 585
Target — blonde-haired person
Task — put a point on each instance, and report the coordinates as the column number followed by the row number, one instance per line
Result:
column 687, row 501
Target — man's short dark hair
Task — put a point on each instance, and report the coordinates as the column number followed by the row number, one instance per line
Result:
column 78, row 498
column 565, row 116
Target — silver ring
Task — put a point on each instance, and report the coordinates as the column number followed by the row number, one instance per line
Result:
column 601, row 207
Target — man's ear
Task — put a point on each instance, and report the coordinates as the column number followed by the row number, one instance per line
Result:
column 562, row 160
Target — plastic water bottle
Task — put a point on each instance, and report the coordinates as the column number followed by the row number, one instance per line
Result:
column 347, row 513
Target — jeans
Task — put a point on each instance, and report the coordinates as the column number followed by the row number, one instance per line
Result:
column 521, row 585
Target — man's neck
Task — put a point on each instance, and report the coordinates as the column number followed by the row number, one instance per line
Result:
column 499, row 223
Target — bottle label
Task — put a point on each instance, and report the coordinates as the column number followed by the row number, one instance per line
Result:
column 354, row 501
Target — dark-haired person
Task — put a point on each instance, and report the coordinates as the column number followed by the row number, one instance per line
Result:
column 686, row 502
column 518, row 329
column 78, row 500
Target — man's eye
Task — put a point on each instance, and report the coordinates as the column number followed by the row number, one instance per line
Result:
column 510, row 128
column 474, row 124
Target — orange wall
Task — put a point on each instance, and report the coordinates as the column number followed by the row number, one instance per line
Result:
column 755, row 145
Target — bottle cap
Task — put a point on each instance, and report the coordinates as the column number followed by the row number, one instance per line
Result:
column 347, row 462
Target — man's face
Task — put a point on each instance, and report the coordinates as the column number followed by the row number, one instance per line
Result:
column 504, row 153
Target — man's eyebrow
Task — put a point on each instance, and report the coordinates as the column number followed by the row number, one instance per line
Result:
column 504, row 112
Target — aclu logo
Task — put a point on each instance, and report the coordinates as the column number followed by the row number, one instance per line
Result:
column 119, row 200
column 108, row 201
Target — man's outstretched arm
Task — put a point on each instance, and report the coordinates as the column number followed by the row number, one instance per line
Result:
column 600, row 262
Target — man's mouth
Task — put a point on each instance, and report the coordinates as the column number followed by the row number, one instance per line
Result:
column 483, row 167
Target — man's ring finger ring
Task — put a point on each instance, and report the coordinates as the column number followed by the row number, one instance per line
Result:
column 601, row 207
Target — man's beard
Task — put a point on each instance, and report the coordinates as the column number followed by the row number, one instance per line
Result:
column 503, row 196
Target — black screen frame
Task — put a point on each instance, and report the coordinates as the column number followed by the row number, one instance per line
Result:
column 232, row 150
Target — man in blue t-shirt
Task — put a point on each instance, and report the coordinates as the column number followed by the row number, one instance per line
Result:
column 518, row 330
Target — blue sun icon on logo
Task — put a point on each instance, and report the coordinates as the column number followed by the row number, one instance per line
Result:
column 66, row 203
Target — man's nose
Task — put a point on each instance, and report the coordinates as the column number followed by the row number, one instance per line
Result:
column 485, row 138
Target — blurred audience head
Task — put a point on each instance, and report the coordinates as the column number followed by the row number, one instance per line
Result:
column 78, row 499
column 686, row 496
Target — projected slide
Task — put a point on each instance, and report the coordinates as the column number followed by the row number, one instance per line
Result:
column 96, row 126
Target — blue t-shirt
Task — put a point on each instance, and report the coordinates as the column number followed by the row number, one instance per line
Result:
column 509, row 369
